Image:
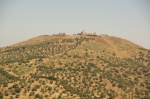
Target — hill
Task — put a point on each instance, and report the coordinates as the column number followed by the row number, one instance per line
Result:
column 75, row 67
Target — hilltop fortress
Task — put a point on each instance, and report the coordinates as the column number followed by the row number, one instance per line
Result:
column 82, row 33
column 85, row 33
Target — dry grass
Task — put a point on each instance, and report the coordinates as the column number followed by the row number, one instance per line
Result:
column 71, row 68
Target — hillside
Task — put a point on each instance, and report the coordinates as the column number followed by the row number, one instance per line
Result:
column 70, row 67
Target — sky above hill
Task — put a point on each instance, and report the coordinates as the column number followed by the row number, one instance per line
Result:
column 24, row 19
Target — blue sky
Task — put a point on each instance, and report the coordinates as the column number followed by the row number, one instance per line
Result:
column 24, row 19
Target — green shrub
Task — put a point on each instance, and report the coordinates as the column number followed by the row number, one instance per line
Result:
column 34, row 88
column 17, row 90
column 1, row 95
column 15, row 86
column 49, row 88
column 5, row 84
column 38, row 96
column 6, row 94
column 13, row 92
column 31, row 93
column 17, row 96
column 102, row 95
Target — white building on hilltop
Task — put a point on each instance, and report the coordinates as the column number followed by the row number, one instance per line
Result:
column 85, row 33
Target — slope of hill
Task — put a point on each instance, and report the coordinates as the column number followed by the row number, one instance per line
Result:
column 37, row 39
column 66, row 67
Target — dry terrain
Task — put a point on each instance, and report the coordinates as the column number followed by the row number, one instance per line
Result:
column 70, row 67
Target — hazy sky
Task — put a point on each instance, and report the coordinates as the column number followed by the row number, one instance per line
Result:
column 23, row 19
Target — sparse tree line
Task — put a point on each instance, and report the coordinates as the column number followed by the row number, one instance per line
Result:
column 42, row 50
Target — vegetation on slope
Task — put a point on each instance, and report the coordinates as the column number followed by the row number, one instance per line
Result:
column 76, row 68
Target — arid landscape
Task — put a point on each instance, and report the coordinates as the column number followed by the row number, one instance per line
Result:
column 75, row 67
